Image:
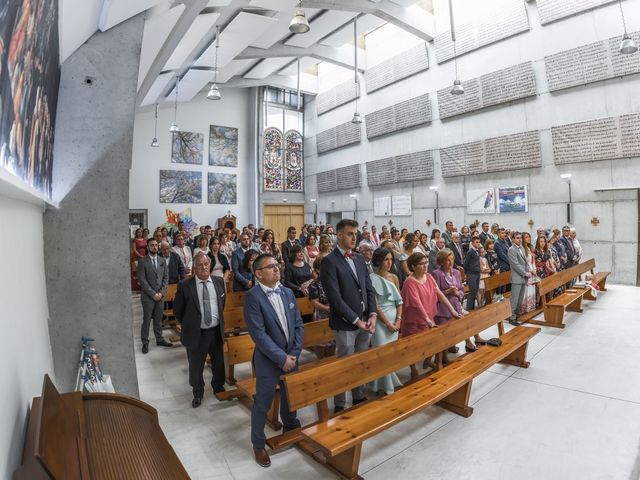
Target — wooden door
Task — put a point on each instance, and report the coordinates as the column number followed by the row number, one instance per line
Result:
column 280, row 217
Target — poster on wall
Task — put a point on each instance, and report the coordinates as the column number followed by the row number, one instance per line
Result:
column 29, row 80
column 178, row 186
column 382, row 206
column 401, row 205
column 513, row 199
column 223, row 188
column 481, row 201
column 187, row 147
column 223, row 146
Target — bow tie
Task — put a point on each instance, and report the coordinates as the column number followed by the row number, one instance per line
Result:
column 274, row 290
column 350, row 255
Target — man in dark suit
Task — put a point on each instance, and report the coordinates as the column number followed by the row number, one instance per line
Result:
column 352, row 300
column 456, row 248
column 153, row 276
column 485, row 234
column 288, row 244
column 199, row 307
column 176, row 267
column 502, row 251
column 433, row 255
column 275, row 325
column 472, row 271
column 241, row 279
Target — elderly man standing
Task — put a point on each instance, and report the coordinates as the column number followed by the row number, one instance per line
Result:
column 199, row 307
column 367, row 252
column 174, row 263
column 184, row 252
column 433, row 254
column 153, row 276
column 456, row 248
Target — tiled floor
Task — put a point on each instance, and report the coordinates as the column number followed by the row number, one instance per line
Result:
column 573, row 414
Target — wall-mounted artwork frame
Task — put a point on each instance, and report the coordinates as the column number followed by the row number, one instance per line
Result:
column 513, row 199
column 180, row 186
column 187, row 147
column 223, row 146
column 222, row 188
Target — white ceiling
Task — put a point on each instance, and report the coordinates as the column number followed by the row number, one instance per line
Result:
column 256, row 46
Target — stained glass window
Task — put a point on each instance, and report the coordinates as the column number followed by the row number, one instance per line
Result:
column 293, row 161
column 272, row 159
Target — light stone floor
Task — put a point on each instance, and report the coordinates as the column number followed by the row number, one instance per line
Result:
column 573, row 414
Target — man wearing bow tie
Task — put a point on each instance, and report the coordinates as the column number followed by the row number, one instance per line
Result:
column 199, row 306
column 352, row 300
column 275, row 325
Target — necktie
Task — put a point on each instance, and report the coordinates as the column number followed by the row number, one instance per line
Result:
column 206, row 305
column 155, row 266
column 274, row 290
column 350, row 255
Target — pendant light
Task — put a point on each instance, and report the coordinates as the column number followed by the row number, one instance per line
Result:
column 457, row 88
column 627, row 46
column 154, row 142
column 174, row 125
column 299, row 23
column 357, row 119
column 214, row 91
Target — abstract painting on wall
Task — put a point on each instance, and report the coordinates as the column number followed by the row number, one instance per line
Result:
column 174, row 218
column 180, row 186
column 223, row 146
column 513, row 199
column 223, row 188
column 29, row 80
column 186, row 147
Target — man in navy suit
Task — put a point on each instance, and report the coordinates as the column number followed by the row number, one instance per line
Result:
column 241, row 280
column 502, row 251
column 275, row 325
column 472, row 271
column 352, row 300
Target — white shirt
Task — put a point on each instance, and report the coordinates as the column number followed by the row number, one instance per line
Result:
column 349, row 261
column 185, row 255
column 154, row 261
column 278, row 306
column 213, row 300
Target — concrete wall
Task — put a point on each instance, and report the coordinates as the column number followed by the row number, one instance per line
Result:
column 25, row 355
column 235, row 109
column 86, row 240
column 613, row 242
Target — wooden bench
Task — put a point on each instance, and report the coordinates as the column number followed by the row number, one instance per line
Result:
column 600, row 278
column 240, row 349
column 570, row 300
column 494, row 282
column 80, row 436
column 342, row 374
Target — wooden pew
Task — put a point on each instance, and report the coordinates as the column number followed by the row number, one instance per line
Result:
column 78, row 436
column 569, row 300
column 339, row 440
column 600, row 278
column 343, row 374
column 240, row 349
column 492, row 283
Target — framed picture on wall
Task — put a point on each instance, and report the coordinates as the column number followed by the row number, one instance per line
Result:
column 222, row 188
column 178, row 186
column 187, row 147
column 481, row 200
column 223, row 146
column 513, row 199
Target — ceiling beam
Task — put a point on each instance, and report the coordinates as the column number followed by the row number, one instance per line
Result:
column 192, row 10
column 420, row 24
column 281, row 81
column 320, row 52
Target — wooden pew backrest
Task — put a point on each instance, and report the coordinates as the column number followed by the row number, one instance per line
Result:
column 496, row 281
column 314, row 385
column 556, row 280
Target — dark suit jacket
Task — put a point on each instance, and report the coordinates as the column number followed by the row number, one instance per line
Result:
column 241, row 277
column 484, row 237
column 472, row 262
column 349, row 298
column 176, row 268
column 187, row 311
column 502, row 250
column 433, row 264
column 285, row 248
column 266, row 331
column 458, row 257
column 153, row 280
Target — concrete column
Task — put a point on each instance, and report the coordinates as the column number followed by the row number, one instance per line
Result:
column 86, row 240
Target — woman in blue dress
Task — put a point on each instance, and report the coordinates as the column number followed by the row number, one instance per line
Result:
column 389, row 311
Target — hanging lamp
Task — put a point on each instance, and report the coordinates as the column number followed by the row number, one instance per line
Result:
column 628, row 45
column 214, row 91
column 457, row 88
column 357, row 119
column 154, row 142
column 174, row 125
column 299, row 22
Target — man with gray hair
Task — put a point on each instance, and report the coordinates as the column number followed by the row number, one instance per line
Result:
column 456, row 248
column 519, row 275
column 366, row 250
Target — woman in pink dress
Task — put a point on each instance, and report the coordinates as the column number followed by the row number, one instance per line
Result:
column 420, row 297
column 311, row 250
column 138, row 251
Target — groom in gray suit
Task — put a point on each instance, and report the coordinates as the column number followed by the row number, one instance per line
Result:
column 519, row 275
column 153, row 276
column 275, row 325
